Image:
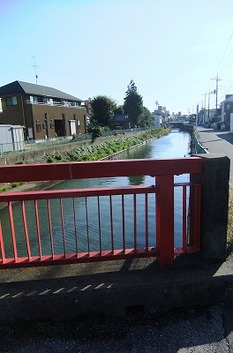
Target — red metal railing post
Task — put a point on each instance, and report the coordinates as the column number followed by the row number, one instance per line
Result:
column 165, row 219
column 197, row 217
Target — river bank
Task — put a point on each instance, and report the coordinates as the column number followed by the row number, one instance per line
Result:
column 107, row 148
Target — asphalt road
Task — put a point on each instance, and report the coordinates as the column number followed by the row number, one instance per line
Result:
column 189, row 331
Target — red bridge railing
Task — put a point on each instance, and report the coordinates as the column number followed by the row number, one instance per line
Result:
column 93, row 224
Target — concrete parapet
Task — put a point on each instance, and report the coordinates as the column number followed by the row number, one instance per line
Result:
column 125, row 287
column 214, row 182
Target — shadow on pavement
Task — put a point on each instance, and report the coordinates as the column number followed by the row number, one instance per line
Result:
column 226, row 136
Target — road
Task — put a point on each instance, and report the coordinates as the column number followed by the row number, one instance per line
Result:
column 187, row 331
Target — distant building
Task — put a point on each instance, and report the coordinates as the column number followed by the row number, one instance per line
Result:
column 157, row 120
column 120, row 121
column 226, row 108
column 45, row 112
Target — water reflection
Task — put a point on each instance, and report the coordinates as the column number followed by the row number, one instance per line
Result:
column 102, row 223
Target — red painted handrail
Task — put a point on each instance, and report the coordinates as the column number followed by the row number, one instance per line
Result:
column 98, row 169
column 163, row 170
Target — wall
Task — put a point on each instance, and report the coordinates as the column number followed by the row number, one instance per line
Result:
column 11, row 138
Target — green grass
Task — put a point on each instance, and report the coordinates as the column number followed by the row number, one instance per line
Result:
column 100, row 150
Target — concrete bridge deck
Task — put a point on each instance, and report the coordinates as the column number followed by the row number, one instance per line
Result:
column 119, row 288
column 113, row 288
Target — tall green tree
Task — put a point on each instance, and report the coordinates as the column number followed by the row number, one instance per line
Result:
column 133, row 104
column 119, row 110
column 145, row 119
column 102, row 109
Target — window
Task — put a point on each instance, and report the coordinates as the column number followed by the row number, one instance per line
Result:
column 38, row 127
column 1, row 110
column 11, row 100
column 33, row 99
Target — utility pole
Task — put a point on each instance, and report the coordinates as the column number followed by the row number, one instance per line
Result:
column 209, row 108
column 204, row 108
column 217, row 79
column 197, row 113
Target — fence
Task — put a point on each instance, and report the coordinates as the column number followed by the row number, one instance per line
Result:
column 58, row 226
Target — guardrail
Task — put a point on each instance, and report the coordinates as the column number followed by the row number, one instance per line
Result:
column 59, row 226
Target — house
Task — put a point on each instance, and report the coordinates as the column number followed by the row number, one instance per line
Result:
column 45, row 112
column 226, row 107
column 120, row 121
column 157, row 120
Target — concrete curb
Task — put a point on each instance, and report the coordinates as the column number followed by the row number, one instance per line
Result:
column 54, row 294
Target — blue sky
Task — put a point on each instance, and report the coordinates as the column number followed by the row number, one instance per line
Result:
column 170, row 48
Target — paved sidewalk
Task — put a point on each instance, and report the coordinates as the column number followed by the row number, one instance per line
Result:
column 217, row 142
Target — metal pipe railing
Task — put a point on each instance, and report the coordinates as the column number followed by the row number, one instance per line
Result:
column 93, row 224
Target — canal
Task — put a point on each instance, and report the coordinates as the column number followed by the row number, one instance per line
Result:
column 173, row 145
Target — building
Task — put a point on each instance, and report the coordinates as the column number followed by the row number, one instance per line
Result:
column 157, row 120
column 120, row 121
column 45, row 112
column 227, row 112
column 11, row 138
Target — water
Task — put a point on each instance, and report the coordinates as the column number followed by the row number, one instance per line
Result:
column 174, row 145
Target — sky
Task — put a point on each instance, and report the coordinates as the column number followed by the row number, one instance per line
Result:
column 172, row 49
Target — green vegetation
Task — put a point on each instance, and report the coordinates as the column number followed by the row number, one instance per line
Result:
column 100, row 150
column 133, row 104
column 9, row 186
column 102, row 109
column 94, row 130
column 105, row 108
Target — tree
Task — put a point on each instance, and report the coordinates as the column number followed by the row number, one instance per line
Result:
column 133, row 103
column 94, row 130
column 145, row 119
column 102, row 109
column 119, row 110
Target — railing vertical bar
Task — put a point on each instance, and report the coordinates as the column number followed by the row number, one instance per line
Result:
column 197, row 215
column 50, row 228
column 99, row 225
column 26, row 230
column 123, row 221
column 12, row 227
column 184, row 194
column 87, row 226
column 2, row 245
column 111, row 222
column 135, row 222
column 75, row 229
column 63, row 227
column 38, row 228
column 146, row 221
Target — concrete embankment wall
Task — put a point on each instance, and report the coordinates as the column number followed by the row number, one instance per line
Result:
column 38, row 153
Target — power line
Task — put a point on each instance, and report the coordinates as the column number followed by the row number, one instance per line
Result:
column 221, row 60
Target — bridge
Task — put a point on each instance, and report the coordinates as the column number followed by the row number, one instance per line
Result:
column 196, row 198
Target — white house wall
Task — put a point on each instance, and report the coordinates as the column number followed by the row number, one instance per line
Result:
column 11, row 138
